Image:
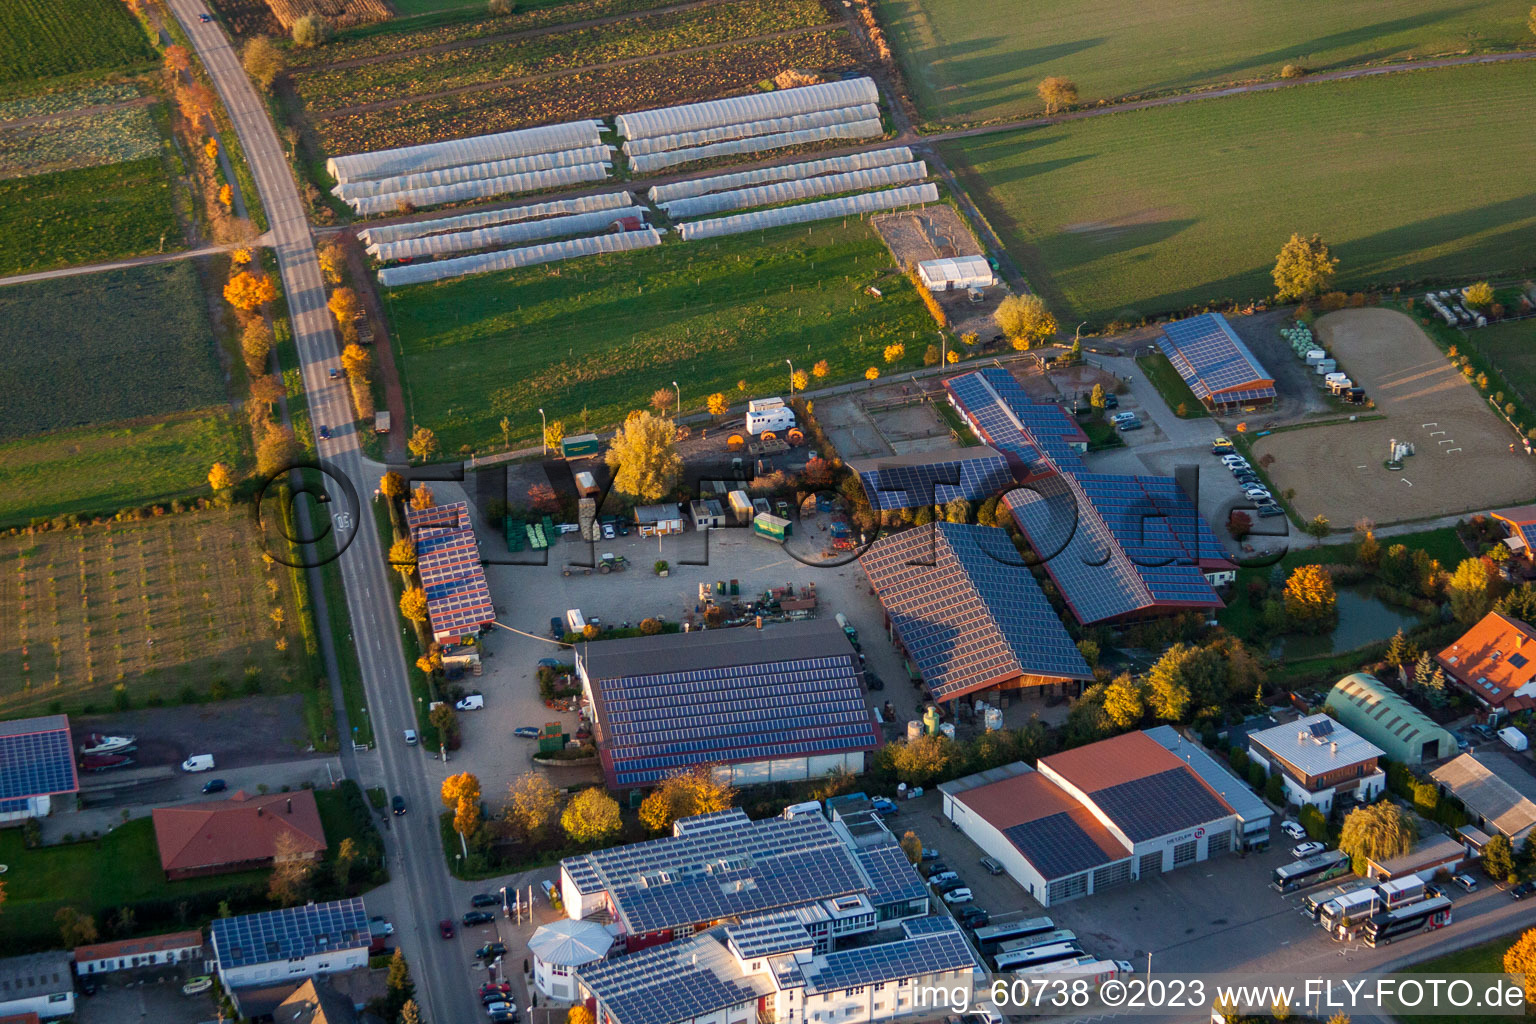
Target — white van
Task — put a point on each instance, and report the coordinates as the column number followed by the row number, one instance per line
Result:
column 807, row 807
column 198, row 763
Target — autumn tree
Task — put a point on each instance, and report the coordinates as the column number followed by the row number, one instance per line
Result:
column 410, row 1013
column 458, row 787
column 344, row 307
column 554, row 433
column 423, row 443
column 1399, row 649
column 1167, row 684
column 466, row 817
column 684, row 794
column 333, row 262
column 1239, row 524
column 578, row 1014
column 355, row 359
column 1024, row 320
column 533, row 807
column 392, row 485
column 413, row 604
column 291, row 870
column 1520, row 958
column 75, row 928
column 1057, row 92
column 1123, row 702
column 248, row 292
column 800, row 379
column 177, row 59
column 1470, row 591
column 311, row 30
column 1378, row 832
column 1096, row 396
column 1478, row 296
column 662, row 399
column 591, row 817
column 921, row 761
column 871, row 373
column 1499, row 858
column 220, row 476
column 912, row 846
column 277, row 451
column 643, row 457
column 262, row 61
column 346, row 860
column 717, row 404
column 196, row 102
column 894, row 353
column 820, row 369
column 1303, row 269
column 1309, row 595
column 402, row 555
column 256, row 345
column 399, row 989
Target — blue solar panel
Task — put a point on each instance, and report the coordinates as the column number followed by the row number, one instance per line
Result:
column 1056, row 845
column 898, row 484
column 679, row 981
column 929, row 925
column 290, row 934
column 448, row 561
column 1213, row 361
column 888, row 961
column 769, row 934
column 1157, row 805
column 36, row 758
column 892, row 875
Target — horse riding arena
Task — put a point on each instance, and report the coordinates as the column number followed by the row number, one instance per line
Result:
column 1462, row 463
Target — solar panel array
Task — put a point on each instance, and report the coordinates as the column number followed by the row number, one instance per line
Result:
column 1040, row 434
column 665, row 984
column 1056, row 845
column 36, row 758
column 291, row 933
column 929, row 925
column 767, row 935
column 731, row 817
column 1213, row 361
column 657, row 723
column 583, row 874
column 1164, row 538
column 966, row 614
column 892, row 876
column 1156, row 805
column 898, row 486
column 725, row 873
column 888, row 961
column 448, row 560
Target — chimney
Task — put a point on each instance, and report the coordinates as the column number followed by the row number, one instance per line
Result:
column 290, row 799
column 1301, row 735
column 258, row 810
column 1333, row 748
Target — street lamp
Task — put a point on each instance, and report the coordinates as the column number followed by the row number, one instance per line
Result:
column 544, row 434
column 679, row 399
column 943, row 350
column 791, row 377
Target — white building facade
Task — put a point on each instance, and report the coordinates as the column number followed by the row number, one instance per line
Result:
column 40, row 983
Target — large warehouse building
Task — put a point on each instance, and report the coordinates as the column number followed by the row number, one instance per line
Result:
column 933, row 477
column 783, row 704
column 1221, row 370
column 1092, row 818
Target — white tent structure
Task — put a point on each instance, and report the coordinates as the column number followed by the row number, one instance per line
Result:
column 506, row 259
column 774, row 126
column 956, row 272
column 566, row 944
column 480, row 188
column 800, row 188
column 381, row 233
column 385, row 163
column 501, row 234
column 648, row 163
column 845, row 206
column 742, row 109
column 469, row 172
column 664, row 194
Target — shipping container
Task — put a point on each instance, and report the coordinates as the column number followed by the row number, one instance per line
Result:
column 773, row 527
column 381, row 422
column 580, row 445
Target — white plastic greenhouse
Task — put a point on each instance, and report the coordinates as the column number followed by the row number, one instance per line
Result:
column 501, row 234
column 506, row 259
column 664, row 194
column 755, row 107
column 845, row 206
column 758, row 144
column 469, row 172
column 384, row 163
column 799, row 122
column 381, row 233
column 800, row 188
column 480, row 188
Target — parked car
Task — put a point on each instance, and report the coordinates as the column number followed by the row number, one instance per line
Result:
column 1222, row 446
column 491, row 950
column 1522, row 890
column 938, row 867
column 1111, row 401
column 379, row 926
column 398, row 804
column 929, row 853
column 556, row 627
column 1292, row 828
column 475, row 917
column 445, row 928
column 608, row 531
column 498, row 1006
column 410, row 737
column 484, row 899
column 504, row 987
column 1130, row 424
column 1265, row 511
column 527, row 732
column 1256, row 493
column 957, row 896
column 938, row 878
column 198, row 763
column 215, row 786
column 1307, row 849
column 974, row 917
column 884, row 807
column 951, row 885
column 1467, row 882
column 474, row 702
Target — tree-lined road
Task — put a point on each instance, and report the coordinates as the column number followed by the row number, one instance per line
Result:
column 414, row 848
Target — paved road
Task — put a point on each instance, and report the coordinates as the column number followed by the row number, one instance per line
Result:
column 140, row 261
column 442, row 983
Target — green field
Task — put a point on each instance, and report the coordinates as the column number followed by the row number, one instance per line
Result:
column 1511, row 347
column 1170, row 385
column 100, row 348
column 1142, row 213
column 605, row 332
column 86, row 216
column 964, row 68
column 48, row 38
column 1487, row 958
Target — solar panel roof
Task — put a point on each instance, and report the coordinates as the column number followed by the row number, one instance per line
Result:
column 929, row 925
column 794, row 705
column 291, row 933
column 678, row 981
column 967, row 610
column 891, row 875
column 448, row 561
column 887, row 961
column 1038, row 435
column 36, row 758
column 1156, row 805
column 1213, row 361
column 769, row 934
column 1056, row 845
column 974, row 474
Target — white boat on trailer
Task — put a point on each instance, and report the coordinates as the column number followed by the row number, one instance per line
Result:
column 99, row 743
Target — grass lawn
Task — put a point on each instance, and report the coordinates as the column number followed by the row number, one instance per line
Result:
column 1171, row 386
column 97, row 877
column 1510, row 346
column 105, row 347
column 47, row 38
column 1487, row 958
column 603, row 333
column 1146, row 212
column 962, row 67
column 87, row 216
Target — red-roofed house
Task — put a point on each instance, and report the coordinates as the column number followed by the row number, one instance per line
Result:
column 127, row 954
column 1520, row 521
column 1495, row 661
column 237, row 834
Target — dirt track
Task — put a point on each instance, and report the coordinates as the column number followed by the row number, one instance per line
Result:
column 1463, row 462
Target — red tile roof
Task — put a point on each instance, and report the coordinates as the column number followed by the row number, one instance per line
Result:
column 1111, row 762
column 235, row 831
column 138, row 947
column 1493, row 659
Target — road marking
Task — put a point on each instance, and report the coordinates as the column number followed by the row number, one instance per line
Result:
column 1449, row 450
column 1406, row 481
column 1426, row 426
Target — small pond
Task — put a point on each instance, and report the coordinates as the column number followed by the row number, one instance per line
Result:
column 1362, row 620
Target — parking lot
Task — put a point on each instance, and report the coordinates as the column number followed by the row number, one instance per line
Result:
column 131, row 997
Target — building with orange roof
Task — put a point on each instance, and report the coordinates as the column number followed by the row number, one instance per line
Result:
column 238, row 834
column 1092, row 818
column 147, row 951
column 1495, row 661
column 1520, row 522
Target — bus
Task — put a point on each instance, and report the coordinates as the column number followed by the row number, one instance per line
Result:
column 1424, row 915
column 1060, row 966
column 1341, row 917
column 1313, row 903
column 1033, row 957
column 991, row 935
column 1043, row 939
column 1310, row 871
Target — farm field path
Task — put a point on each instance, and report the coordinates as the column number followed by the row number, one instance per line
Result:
column 60, row 115
column 623, row 62
column 138, row 261
column 414, row 846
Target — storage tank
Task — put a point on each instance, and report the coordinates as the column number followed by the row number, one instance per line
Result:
column 948, row 729
column 931, row 720
column 914, row 730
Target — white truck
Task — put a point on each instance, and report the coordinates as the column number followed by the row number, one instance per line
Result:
column 574, row 620
column 1513, row 738
column 769, row 414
